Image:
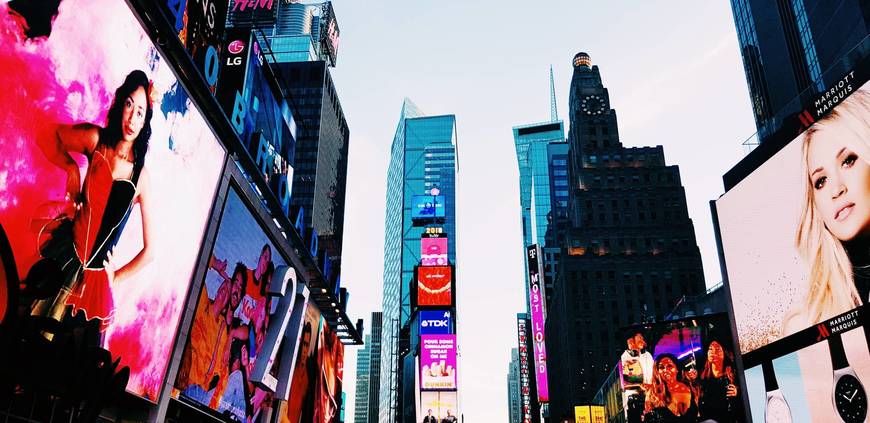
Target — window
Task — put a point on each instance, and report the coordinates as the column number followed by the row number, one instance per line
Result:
column 559, row 162
column 593, row 159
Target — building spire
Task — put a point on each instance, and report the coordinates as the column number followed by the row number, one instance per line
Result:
column 554, row 115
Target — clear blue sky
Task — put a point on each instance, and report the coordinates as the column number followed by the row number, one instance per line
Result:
column 675, row 78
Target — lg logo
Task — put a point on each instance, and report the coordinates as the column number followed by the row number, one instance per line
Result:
column 434, row 323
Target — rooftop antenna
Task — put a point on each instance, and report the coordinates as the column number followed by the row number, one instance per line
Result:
column 554, row 115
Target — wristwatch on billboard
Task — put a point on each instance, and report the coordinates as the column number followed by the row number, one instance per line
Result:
column 849, row 396
column 776, row 408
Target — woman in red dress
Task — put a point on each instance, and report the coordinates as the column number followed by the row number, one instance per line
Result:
column 82, row 238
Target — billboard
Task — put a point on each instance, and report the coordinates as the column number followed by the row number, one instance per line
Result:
column 598, row 415
column 538, row 314
column 433, row 251
column 435, row 322
column 438, row 363
column 427, row 207
column 582, row 414
column 525, row 386
column 681, row 369
column 110, row 168
column 199, row 24
column 263, row 121
column 439, row 405
column 434, row 286
column 300, row 406
column 796, row 256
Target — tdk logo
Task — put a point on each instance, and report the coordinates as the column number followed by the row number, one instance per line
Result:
column 434, row 322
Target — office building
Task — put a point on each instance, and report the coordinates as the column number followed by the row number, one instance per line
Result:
column 794, row 49
column 373, row 407
column 513, row 384
column 423, row 158
column 629, row 253
column 363, row 371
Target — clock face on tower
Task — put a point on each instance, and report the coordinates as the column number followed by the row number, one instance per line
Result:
column 850, row 399
column 593, row 105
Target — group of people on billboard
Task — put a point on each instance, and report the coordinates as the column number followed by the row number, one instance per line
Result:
column 686, row 374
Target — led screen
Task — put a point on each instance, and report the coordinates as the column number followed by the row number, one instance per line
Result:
column 797, row 256
column 687, row 366
column 435, row 322
column 427, row 207
column 433, row 251
column 434, row 286
column 438, row 405
column 300, row 406
column 127, row 199
column 330, row 357
column 525, row 382
column 437, row 362
column 582, row 414
column 538, row 314
column 232, row 316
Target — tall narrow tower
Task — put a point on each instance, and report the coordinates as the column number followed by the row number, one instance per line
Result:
column 554, row 114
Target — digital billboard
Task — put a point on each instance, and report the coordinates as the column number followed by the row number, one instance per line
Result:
column 797, row 256
column 434, row 286
column 300, row 407
column 427, row 207
column 582, row 414
column 681, row 370
column 435, row 322
column 438, row 405
column 233, row 314
column 109, row 169
column 199, row 25
column 525, row 382
column 598, row 415
column 330, row 33
column 331, row 374
column 438, row 363
column 433, row 251
column 538, row 314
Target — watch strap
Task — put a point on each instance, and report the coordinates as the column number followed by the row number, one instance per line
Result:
column 769, row 376
column 838, row 355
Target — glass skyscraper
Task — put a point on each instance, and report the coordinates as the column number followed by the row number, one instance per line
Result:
column 542, row 156
column 423, row 157
column 363, row 369
column 515, row 408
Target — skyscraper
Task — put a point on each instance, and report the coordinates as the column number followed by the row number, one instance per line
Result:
column 423, row 157
column 629, row 252
column 513, row 383
column 375, row 368
column 789, row 47
column 363, row 372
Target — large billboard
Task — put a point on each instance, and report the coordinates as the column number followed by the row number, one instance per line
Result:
column 435, row 322
column 427, row 207
column 438, row 405
column 233, row 314
column 330, row 33
column 525, row 382
column 300, row 406
column 433, row 251
column 538, row 314
column 434, row 286
column 438, row 363
column 199, row 25
column 108, row 169
column 796, row 256
column 681, row 371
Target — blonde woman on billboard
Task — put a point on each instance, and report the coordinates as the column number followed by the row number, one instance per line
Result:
column 832, row 235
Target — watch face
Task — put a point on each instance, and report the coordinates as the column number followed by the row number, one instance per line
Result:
column 593, row 105
column 777, row 411
column 850, row 399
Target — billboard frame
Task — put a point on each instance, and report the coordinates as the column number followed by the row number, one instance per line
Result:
column 414, row 288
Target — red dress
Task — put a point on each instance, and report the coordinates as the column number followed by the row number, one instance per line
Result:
column 81, row 245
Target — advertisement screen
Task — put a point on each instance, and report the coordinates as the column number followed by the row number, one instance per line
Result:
column 108, row 168
column 433, row 251
column 199, row 25
column 797, row 256
column 537, row 305
column 331, row 362
column 598, row 415
column 438, row 405
column 300, row 406
column 525, row 383
column 437, row 362
column 435, row 322
column 232, row 316
column 681, row 369
column 582, row 414
column 434, row 286
column 427, row 206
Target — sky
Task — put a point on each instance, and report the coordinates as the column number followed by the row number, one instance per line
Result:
column 675, row 77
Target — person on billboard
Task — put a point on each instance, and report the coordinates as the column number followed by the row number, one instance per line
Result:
column 430, row 418
column 832, row 234
column 234, row 401
column 644, row 357
column 669, row 399
column 204, row 369
column 450, row 418
column 300, row 403
column 690, row 377
column 81, row 239
column 718, row 389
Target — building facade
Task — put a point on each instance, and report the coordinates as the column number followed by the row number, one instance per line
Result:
column 363, row 372
column 629, row 253
column 423, row 157
column 374, row 368
column 792, row 50
column 513, row 384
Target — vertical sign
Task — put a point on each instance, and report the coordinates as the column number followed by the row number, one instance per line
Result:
column 536, row 307
column 598, row 414
column 582, row 414
column 525, row 390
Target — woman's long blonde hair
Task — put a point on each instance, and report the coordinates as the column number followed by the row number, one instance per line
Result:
column 831, row 278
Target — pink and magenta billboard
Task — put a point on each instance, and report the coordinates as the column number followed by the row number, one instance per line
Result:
column 538, row 312
column 438, row 363
column 433, row 251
